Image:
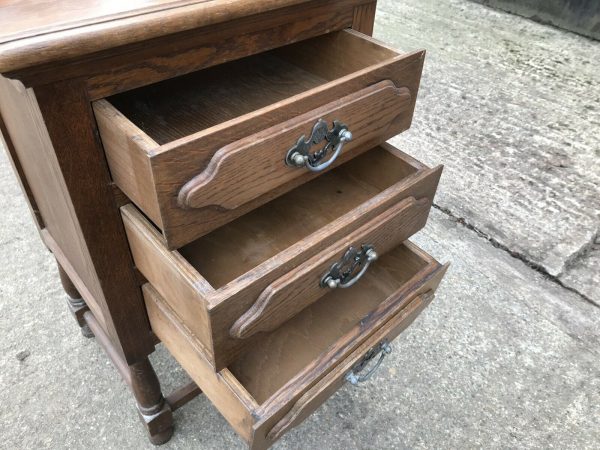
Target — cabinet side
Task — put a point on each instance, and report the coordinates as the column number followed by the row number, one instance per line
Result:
column 61, row 197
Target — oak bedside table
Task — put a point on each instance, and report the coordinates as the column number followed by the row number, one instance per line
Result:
column 213, row 175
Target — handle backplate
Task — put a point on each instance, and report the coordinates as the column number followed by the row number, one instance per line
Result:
column 348, row 270
column 354, row 377
column 299, row 155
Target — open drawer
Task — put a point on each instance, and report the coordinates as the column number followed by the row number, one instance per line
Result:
column 290, row 371
column 258, row 271
column 198, row 151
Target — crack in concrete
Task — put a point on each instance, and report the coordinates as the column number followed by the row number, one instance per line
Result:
column 580, row 253
column 10, row 241
column 517, row 255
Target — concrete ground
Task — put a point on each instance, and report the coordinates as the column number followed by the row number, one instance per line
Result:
column 508, row 354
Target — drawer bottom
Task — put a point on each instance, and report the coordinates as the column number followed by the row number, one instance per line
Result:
column 290, row 371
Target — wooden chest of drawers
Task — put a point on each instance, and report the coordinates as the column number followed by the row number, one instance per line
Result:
column 214, row 175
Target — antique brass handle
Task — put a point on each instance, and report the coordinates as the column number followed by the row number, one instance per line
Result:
column 299, row 155
column 343, row 273
column 353, row 377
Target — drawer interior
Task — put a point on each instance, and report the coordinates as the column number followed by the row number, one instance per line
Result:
column 286, row 351
column 176, row 108
column 290, row 371
column 238, row 247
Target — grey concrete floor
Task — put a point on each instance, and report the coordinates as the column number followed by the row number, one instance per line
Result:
column 506, row 357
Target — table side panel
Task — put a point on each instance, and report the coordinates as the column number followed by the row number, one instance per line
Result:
column 33, row 148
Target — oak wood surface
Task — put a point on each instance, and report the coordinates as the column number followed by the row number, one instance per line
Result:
column 37, row 31
column 52, row 133
column 339, row 54
column 276, row 408
column 186, row 52
column 179, row 107
column 226, row 271
column 185, row 105
column 131, row 169
column 232, row 401
column 254, row 166
column 231, row 301
column 24, row 124
column 97, row 245
column 173, row 277
column 291, row 293
column 426, row 276
column 317, row 344
column 321, row 391
column 34, row 17
column 364, row 17
column 117, row 69
column 238, row 248
column 75, row 52
column 18, row 168
column 285, row 352
column 177, row 162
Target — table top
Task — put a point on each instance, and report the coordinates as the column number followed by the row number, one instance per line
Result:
column 34, row 32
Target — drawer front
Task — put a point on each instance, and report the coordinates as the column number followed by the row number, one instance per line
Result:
column 370, row 353
column 252, row 167
column 290, row 294
column 194, row 184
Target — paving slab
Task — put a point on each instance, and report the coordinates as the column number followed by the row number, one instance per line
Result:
column 502, row 358
column 512, row 108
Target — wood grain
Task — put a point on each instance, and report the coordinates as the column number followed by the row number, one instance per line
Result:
column 37, row 32
column 52, row 130
column 291, row 293
column 81, row 167
column 281, row 403
column 115, row 70
column 364, row 17
column 34, row 17
column 180, row 107
column 307, row 358
column 231, row 301
column 175, row 163
column 174, row 278
column 86, row 51
column 286, row 351
column 238, row 248
column 18, row 168
column 33, row 148
column 227, row 270
column 321, row 391
column 232, row 401
column 186, row 225
column 127, row 165
column 218, row 44
column 340, row 54
column 240, row 172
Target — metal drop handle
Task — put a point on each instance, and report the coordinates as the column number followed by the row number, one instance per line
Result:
column 341, row 274
column 299, row 155
column 382, row 350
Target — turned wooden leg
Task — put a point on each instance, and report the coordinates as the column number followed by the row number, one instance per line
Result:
column 154, row 411
column 75, row 303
